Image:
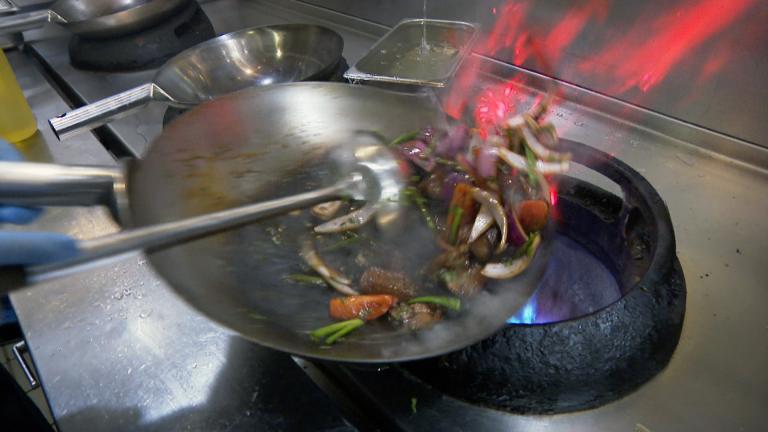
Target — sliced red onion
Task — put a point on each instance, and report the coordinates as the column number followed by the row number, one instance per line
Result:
column 465, row 164
column 454, row 142
column 486, row 160
column 450, row 182
column 417, row 152
column 516, row 235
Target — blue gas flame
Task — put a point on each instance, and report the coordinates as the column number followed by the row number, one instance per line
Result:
column 526, row 314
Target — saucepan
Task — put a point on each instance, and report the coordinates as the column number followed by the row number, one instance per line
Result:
column 95, row 18
column 250, row 57
column 264, row 145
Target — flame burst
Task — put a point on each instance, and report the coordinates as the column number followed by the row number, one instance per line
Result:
column 639, row 60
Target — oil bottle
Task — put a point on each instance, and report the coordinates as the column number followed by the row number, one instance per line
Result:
column 16, row 119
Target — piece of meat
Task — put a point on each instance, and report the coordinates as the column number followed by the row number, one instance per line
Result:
column 416, row 316
column 533, row 215
column 376, row 280
column 459, row 274
column 432, row 186
column 465, row 282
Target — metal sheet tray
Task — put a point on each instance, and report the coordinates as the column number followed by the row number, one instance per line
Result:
column 399, row 56
column 7, row 6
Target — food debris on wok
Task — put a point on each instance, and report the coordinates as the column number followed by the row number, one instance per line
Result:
column 484, row 197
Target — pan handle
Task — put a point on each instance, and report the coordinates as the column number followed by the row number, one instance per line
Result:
column 40, row 184
column 26, row 21
column 100, row 112
column 164, row 235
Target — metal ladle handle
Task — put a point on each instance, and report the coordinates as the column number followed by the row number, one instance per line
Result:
column 153, row 237
column 103, row 111
column 26, row 21
column 164, row 235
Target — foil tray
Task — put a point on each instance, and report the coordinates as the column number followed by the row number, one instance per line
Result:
column 422, row 52
column 7, row 6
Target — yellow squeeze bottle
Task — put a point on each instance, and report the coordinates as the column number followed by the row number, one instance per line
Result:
column 16, row 119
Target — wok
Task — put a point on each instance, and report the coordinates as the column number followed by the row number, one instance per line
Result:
column 95, row 18
column 263, row 143
column 250, row 57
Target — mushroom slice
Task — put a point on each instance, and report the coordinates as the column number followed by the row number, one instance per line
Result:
column 350, row 221
column 334, row 278
column 326, row 210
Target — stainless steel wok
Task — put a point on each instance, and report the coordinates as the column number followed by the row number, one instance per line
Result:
column 95, row 18
column 245, row 58
column 264, row 143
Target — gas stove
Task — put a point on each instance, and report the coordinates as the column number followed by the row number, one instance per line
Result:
column 146, row 49
column 429, row 395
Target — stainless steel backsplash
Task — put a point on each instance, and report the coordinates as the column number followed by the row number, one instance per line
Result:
column 719, row 84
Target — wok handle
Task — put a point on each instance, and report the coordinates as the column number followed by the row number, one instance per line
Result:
column 26, row 21
column 100, row 112
column 41, row 184
column 164, row 235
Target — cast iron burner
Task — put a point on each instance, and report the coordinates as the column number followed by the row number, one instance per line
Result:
column 574, row 363
column 335, row 75
column 146, row 49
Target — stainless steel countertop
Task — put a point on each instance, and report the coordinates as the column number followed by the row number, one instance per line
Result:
column 717, row 379
column 116, row 349
column 138, row 130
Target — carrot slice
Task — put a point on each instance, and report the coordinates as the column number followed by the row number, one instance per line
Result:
column 533, row 215
column 366, row 307
column 461, row 209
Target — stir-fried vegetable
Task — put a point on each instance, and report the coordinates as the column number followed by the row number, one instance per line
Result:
column 365, row 307
column 461, row 208
column 335, row 279
column 532, row 215
column 307, row 279
column 414, row 196
column 485, row 195
column 408, row 136
column 510, row 269
column 349, row 221
column 331, row 333
column 497, row 211
column 483, row 222
column 326, row 211
column 451, row 303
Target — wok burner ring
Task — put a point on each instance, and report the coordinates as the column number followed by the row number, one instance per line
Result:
column 591, row 360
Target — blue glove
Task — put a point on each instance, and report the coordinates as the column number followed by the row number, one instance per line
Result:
column 29, row 248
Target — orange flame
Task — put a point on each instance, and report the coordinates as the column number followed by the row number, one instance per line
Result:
column 639, row 60
column 648, row 52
